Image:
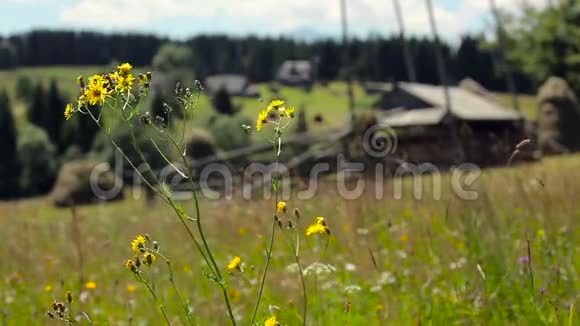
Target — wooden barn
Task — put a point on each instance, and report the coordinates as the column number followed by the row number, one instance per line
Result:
column 235, row 85
column 298, row 73
column 470, row 128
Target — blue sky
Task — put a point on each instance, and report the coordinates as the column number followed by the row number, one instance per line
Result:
column 182, row 18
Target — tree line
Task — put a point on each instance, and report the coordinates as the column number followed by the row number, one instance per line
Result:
column 374, row 58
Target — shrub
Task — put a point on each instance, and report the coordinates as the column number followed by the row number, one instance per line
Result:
column 9, row 157
column 37, row 156
column 24, row 88
column 228, row 132
column 103, row 151
column 73, row 185
column 201, row 144
column 222, row 102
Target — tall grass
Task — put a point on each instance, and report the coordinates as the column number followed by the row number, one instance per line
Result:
column 397, row 262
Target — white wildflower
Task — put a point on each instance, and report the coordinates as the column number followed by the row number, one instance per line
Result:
column 319, row 269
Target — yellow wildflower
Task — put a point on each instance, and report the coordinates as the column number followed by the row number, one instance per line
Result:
column 68, row 111
column 96, row 80
column 276, row 104
column 318, row 228
column 144, row 79
column 541, row 234
column 290, row 112
column 138, row 243
column 91, row 285
column 124, row 68
column 113, row 76
column 149, row 259
column 262, row 119
column 68, row 296
column 271, row 321
column 81, row 81
column 235, row 295
column 47, row 288
column 380, row 307
column 130, row 264
column 96, row 93
column 235, row 263
column 131, row 288
column 81, row 101
column 281, row 207
column 404, row 238
column 125, row 83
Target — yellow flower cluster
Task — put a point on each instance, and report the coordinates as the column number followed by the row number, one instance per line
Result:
column 235, row 264
column 318, row 228
column 275, row 106
column 281, row 207
column 138, row 245
column 101, row 87
column 271, row 321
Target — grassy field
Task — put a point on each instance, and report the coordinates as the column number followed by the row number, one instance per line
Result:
column 330, row 102
column 507, row 257
column 395, row 262
column 528, row 104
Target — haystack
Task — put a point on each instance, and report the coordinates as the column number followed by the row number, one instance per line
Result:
column 558, row 118
column 472, row 86
column 73, row 185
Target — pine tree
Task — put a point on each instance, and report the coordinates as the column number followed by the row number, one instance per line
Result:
column 37, row 111
column 223, row 103
column 9, row 168
column 86, row 131
column 54, row 117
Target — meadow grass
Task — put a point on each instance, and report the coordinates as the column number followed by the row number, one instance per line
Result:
column 528, row 104
column 329, row 102
column 401, row 262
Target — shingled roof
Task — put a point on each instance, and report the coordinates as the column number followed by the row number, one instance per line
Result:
column 235, row 85
column 428, row 106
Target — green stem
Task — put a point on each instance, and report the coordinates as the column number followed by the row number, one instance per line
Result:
column 272, row 235
column 303, row 282
column 172, row 280
column 216, row 269
column 140, row 279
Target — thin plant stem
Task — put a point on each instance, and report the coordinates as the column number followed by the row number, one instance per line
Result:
column 295, row 246
column 155, row 298
column 216, row 269
column 172, row 280
column 302, row 281
column 273, row 232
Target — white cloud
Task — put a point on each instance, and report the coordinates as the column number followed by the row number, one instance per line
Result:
column 282, row 15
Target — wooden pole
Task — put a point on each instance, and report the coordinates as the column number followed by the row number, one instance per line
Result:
column 346, row 60
column 406, row 51
column 439, row 56
column 502, row 45
column 453, row 126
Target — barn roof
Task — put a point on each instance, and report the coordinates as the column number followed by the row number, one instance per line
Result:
column 417, row 117
column 464, row 104
column 295, row 71
column 233, row 84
